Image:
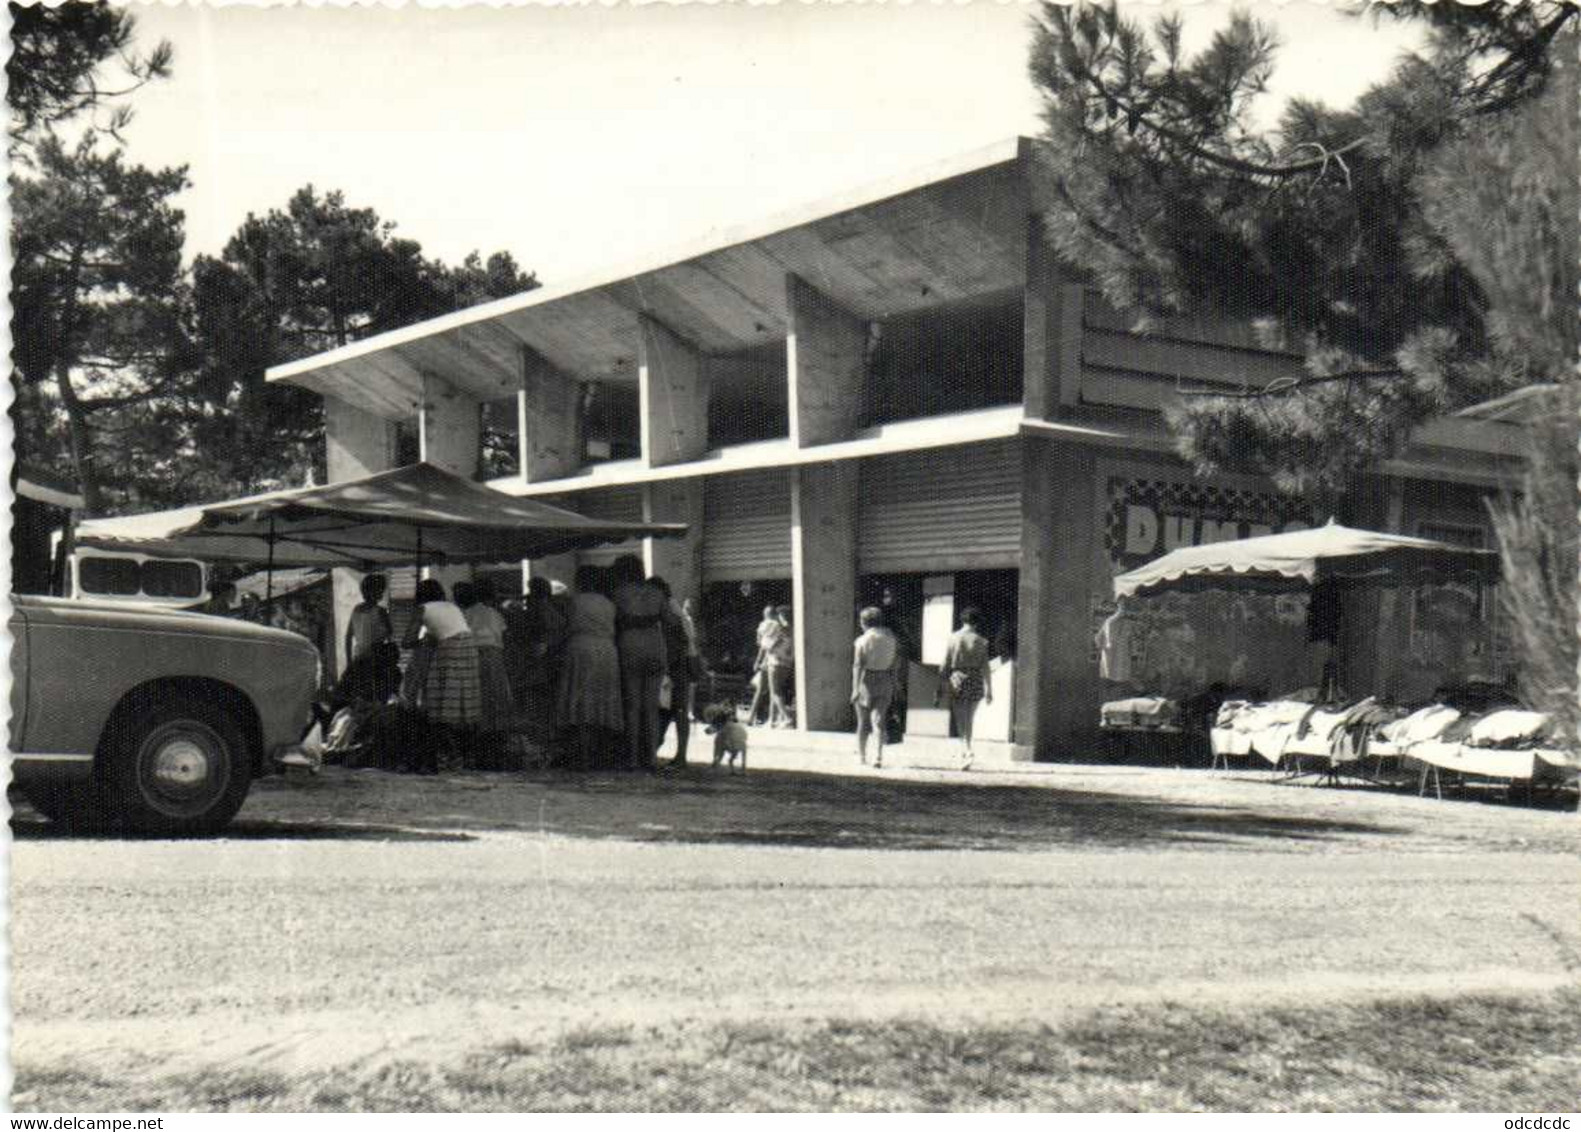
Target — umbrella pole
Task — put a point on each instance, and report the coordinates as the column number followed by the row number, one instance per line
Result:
column 269, row 568
column 419, row 554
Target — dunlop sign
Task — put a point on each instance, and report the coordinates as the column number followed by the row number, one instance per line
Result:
column 1150, row 517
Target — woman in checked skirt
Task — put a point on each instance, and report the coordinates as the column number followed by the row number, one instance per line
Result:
column 445, row 686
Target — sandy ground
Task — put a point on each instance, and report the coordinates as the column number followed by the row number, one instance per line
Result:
column 361, row 917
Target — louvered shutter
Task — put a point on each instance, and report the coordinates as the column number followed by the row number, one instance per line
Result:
column 945, row 509
column 746, row 526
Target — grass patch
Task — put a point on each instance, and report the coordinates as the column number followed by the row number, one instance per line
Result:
column 1487, row 1053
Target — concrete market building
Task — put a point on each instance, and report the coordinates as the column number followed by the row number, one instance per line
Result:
column 902, row 390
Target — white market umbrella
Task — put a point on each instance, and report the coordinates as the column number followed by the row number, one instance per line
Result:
column 415, row 515
column 1302, row 559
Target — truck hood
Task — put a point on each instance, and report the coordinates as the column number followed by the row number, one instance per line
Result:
column 41, row 610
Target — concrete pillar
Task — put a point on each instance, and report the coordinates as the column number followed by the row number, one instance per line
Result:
column 356, row 444
column 549, row 424
column 449, row 428
column 673, row 396
column 678, row 561
column 1369, row 651
column 1052, row 329
column 823, row 586
column 448, row 436
column 826, row 358
column 1057, row 693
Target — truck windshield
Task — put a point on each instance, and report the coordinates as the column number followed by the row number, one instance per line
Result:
column 119, row 577
column 172, row 579
column 127, row 577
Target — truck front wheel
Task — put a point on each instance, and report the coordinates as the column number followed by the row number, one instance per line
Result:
column 179, row 766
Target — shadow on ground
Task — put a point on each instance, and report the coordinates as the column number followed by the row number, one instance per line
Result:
column 27, row 825
column 779, row 808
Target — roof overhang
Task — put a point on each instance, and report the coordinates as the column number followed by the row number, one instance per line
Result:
column 956, row 230
column 905, row 436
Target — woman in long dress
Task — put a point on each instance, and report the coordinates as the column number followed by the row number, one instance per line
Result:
column 588, row 698
column 487, row 623
column 446, row 687
column 640, row 610
column 964, row 678
column 534, row 641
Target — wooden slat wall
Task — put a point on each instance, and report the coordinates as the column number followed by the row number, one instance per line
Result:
column 948, row 509
column 746, row 526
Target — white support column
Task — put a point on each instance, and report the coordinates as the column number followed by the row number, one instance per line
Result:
column 449, row 427
column 826, row 362
column 548, row 420
column 679, row 561
column 1054, row 634
column 549, row 432
column 673, row 396
column 823, row 585
column 449, row 434
column 356, row 444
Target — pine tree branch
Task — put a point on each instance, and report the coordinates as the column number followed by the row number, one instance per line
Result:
column 1139, row 116
column 1285, row 386
column 100, row 404
column 1530, row 52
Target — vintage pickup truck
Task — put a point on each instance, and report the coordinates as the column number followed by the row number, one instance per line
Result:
column 149, row 720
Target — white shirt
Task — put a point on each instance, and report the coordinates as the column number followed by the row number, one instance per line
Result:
column 1114, row 648
column 488, row 627
column 876, row 649
column 443, row 620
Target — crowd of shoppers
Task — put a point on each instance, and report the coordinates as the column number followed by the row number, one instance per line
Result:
column 597, row 674
column 600, row 673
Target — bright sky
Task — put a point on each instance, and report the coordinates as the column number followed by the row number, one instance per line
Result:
column 581, row 136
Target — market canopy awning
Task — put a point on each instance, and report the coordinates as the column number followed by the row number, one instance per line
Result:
column 411, row 514
column 1299, row 559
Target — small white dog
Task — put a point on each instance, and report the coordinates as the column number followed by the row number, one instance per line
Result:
column 730, row 735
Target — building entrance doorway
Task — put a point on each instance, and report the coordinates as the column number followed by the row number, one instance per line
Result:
column 731, row 612
column 923, row 610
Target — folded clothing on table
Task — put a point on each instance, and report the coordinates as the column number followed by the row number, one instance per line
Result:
column 1141, row 711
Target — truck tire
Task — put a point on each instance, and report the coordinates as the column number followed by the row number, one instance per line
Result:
column 178, row 767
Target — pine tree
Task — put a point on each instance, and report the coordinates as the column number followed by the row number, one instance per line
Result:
column 296, row 281
column 1325, row 231
column 98, row 294
column 55, row 72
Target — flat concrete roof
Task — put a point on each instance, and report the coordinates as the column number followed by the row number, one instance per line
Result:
column 955, row 230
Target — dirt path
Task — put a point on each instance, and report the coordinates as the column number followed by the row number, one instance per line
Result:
column 364, row 918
